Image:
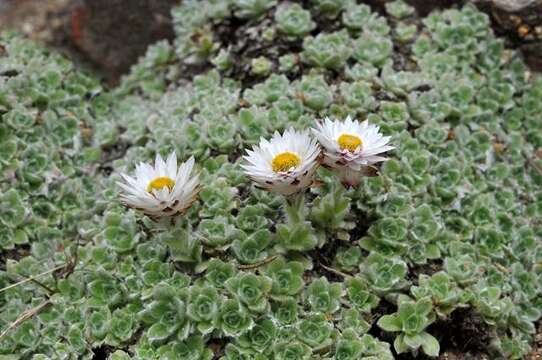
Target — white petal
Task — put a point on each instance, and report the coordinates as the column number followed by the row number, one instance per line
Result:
column 161, row 202
column 373, row 144
column 160, row 166
column 258, row 166
column 171, row 165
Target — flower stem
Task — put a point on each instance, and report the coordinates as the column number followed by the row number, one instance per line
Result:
column 295, row 208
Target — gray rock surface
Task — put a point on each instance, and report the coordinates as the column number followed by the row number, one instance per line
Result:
column 515, row 5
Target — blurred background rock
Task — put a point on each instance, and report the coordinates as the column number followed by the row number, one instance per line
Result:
column 109, row 35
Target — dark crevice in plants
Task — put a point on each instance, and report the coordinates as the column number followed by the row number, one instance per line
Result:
column 323, row 256
column 188, row 269
column 103, row 352
column 432, row 267
column 362, row 226
column 235, row 155
column 465, row 331
column 384, row 308
column 411, row 128
column 409, row 356
column 217, row 345
column 112, row 153
column 381, row 95
column 117, row 150
column 325, row 24
column 326, row 254
column 17, row 253
column 401, row 59
column 189, row 71
column 133, row 340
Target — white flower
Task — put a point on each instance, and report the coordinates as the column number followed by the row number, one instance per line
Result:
column 285, row 164
column 351, row 146
column 162, row 190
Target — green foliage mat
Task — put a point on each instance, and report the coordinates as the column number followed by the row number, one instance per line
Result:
column 452, row 225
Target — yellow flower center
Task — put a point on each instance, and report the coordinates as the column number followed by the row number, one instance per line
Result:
column 160, row 182
column 285, row 161
column 349, row 142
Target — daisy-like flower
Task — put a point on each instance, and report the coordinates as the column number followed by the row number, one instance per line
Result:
column 351, row 146
column 162, row 190
column 285, row 164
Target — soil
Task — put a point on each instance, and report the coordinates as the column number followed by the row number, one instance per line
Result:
column 464, row 335
column 102, row 352
column 430, row 268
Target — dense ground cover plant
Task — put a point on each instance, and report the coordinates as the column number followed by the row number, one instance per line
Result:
column 451, row 222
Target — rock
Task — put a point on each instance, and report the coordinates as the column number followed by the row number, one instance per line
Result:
column 521, row 22
column 515, row 5
column 114, row 33
column 108, row 35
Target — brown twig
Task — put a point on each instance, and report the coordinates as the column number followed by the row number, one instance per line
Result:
column 257, row 265
column 47, row 288
column 502, row 268
column 335, row 271
column 28, row 314
column 531, row 160
column 32, row 278
column 535, row 165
